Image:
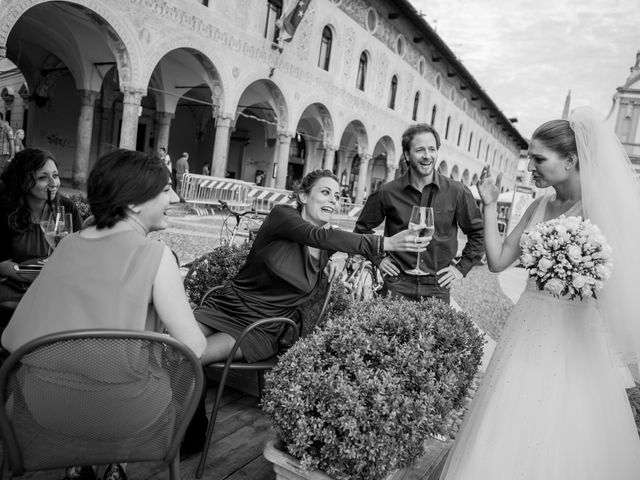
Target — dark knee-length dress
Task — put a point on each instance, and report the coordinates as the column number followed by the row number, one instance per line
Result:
column 278, row 276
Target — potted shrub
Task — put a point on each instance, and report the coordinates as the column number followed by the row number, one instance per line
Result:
column 358, row 398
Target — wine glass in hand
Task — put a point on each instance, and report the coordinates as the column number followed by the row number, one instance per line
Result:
column 422, row 223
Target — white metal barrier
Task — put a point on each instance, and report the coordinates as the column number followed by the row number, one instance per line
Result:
column 263, row 199
column 205, row 192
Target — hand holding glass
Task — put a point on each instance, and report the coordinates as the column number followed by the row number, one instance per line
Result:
column 422, row 223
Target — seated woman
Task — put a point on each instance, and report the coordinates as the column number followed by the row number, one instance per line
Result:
column 111, row 275
column 283, row 267
column 28, row 184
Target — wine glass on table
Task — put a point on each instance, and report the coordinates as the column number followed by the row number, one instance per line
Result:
column 57, row 227
column 422, row 223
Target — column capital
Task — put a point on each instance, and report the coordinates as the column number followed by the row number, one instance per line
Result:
column 365, row 157
column 132, row 94
column 329, row 146
column 285, row 137
column 88, row 97
column 164, row 118
column 224, row 119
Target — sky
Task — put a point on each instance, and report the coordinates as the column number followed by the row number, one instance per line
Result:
column 527, row 54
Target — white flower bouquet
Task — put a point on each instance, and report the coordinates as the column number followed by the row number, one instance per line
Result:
column 567, row 256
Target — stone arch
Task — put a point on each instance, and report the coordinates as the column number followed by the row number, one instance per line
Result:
column 217, row 75
column 465, row 177
column 383, row 163
column 262, row 137
column 117, row 35
column 455, row 173
column 314, row 132
column 443, row 168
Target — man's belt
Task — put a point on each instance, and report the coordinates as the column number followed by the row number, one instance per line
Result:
column 429, row 279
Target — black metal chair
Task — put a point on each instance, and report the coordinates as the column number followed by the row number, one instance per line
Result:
column 260, row 367
column 88, row 397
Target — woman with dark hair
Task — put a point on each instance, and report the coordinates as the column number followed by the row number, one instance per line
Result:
column 552, row 404
column 27, row 185
column 111, row 275
column 284, row 264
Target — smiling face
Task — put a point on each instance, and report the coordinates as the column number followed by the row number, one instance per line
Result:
column 423, row 154
column 547, row 166
column 319, row 205
column 45, row 178
column 152, row 213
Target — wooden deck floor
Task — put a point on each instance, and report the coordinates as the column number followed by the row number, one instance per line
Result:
column 235, row 453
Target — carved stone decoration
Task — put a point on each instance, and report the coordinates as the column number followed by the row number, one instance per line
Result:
column 381, row 76
column 409, row 95
column 304, row 32
column 349, row 41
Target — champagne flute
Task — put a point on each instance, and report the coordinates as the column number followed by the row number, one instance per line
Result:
column 422, row 223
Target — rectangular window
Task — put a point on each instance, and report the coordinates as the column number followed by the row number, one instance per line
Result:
column 274, row 10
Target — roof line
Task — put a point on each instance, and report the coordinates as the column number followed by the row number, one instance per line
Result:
column 412, row 14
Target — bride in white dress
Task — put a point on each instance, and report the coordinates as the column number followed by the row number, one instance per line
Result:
column 552, row 405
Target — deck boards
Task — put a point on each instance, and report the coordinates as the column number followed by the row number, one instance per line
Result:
column 235, row 453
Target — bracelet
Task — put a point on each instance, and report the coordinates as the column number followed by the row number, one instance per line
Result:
column 380, row 244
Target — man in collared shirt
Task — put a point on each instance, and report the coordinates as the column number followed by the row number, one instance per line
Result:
column 454, row 207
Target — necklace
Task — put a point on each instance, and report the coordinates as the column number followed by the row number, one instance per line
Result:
column 136, row 225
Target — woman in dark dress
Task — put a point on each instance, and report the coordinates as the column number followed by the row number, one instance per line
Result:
column 28, row 183
column 283, row 267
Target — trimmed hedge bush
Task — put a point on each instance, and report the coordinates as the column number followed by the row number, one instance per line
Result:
column 214, row 268
column 358, row 397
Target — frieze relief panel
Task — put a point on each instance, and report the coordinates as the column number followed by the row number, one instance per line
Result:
column 349, row 54
column 303, row 34
column 381, row 73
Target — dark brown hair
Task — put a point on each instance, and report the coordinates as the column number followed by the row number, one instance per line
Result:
column 310, row 180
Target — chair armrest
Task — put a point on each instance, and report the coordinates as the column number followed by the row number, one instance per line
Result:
column 209, row 292
column 259, row 323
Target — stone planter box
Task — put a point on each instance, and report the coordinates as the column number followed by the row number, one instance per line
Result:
column 427, row 467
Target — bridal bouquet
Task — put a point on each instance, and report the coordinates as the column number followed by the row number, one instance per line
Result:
column 567, row 256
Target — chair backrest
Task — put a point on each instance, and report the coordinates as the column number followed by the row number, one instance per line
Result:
column 96, row 397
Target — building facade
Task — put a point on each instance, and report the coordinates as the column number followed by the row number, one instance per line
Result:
column 215, row 79
column 625, row 114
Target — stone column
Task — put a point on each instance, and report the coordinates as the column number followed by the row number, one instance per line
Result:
column 363, row 179
column 105, row 144
column 391, row 173
column 329, row 156
column 163, row 125
column 17, row 113
column 284, row 146
column 83, row 137
column 130, row 115
column 221, row 145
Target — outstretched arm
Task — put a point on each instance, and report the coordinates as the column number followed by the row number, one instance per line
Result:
column 285, row 222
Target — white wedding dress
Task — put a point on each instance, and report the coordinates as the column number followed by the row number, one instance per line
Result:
column 551, row 405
